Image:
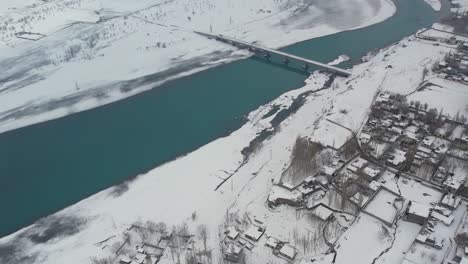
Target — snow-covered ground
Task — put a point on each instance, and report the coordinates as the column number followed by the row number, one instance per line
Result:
column 435, row 4
column 455, row 92
column 92, row 46
column 172, row 192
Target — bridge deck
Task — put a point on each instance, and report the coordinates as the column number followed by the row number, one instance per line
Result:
column 281, row 53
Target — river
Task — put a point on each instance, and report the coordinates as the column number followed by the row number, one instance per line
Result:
column 48, row 166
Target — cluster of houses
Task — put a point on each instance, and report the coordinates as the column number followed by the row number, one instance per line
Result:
column 456, row 7
column 455, row 65
column 400, row 139
column 143, row 255
column 411, row 139
column 236, row 240
column 144, row 245
column 439, row 227
column 406, row 139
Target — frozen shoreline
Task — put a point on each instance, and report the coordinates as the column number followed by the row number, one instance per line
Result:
column 73, row 82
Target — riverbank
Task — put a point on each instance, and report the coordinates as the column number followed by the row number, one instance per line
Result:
column 80, row 66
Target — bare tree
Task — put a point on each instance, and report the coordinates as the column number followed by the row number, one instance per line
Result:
column 203, row 233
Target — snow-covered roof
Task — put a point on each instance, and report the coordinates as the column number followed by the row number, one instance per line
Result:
column 327, row 170
column 424, row 149
column 232, row 232
column 254, row 232
column 399, row 157
column 288, row 251
column 309, row 179
column 465, row 137
column 278, row 192
column 371, row 172
column 125, row 260
column 233, row 249
column 322, row 212
column 139, row 258
column 451, row 200
column 272, row 242
column 374, row 185
column 365, row 136
column 385, row 95
column 419, row 209
column 447, row 220
column 359, row 162
column 454, row 182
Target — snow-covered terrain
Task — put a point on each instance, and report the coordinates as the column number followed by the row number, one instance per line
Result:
column 435, row 4
column 215, row 183
column 87, row 49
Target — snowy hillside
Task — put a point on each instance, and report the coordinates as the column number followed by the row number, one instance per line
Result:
column 61, row 57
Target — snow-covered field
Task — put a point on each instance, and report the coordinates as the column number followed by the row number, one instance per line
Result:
column 435, row 4
column 454, row 92
column 92, row 46
column 172, row 192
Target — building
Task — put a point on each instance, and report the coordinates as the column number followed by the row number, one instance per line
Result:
column 450, row 201
column 288, row 252
column 279, row 195
column 417, row 213
column 125, row 260
column 370, row 173
column 454, row 182
column 323, row 212
column 272, row 242
column 254, row 232
column 232, row 233
column 233, row 252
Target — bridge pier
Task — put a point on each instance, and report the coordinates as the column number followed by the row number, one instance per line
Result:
column 286, row 60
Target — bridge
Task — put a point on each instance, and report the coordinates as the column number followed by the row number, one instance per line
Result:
column 267, row 53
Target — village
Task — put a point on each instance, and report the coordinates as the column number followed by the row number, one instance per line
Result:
column 403, row 176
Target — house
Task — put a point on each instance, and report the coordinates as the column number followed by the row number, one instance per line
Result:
column 272, row 242
column 254, row 232
column 442, row 64
column 417, row 213
column 397, row 157
column 454, row 181
column 365, row 138
column 447, row 220
column 357, row 164
column 323, row 212
column 288, row 252
column 125, row 260
column 369, row 173
column 279, row 195
column 139, row 258
column 232, row 233
column 450, row 201
column 430, row 241
column 232, row 252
